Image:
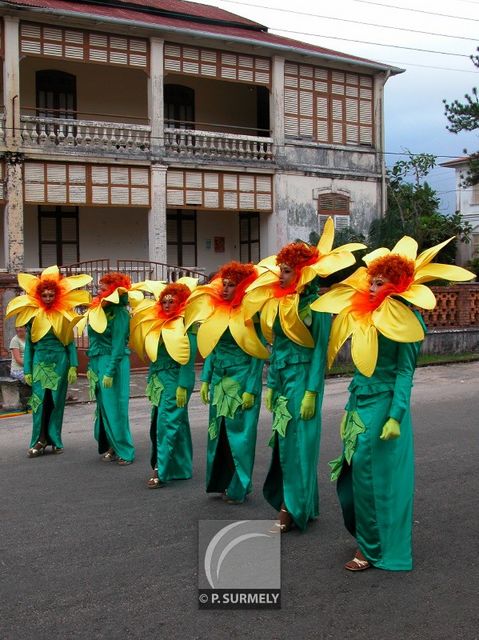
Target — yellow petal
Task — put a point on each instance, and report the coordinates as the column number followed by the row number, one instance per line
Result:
column 151, row 345
column 420, row 296
column 176, row 341
column 334, row 262
column 17, row 303
column 57, row 322
column 76, row 298
column 341, row 329
column 199, row 307
column 41, row 325
column 97, row 319
column 114, row 297
column 428, row 254
column 75, row 282
column 254, row 300
column 25, row 315
column 28, row 282
column 81, row 324
column 406, row 247
column 326, row 240
column 211, row 331
column 135, row 297
column 397, row 322
column 51, row 272
column 292, row 324
column 266, row 264
column 308, row 273
column 245, row 336
column 265, row 279
column 435, row 270
column 364, row 348
column 359, row 280
column 334, row 300
column 350, row 246
column 374, row 255
column 267, row 318
column 191, row 283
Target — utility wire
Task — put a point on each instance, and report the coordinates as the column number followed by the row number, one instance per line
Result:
column 376, row 44
column 367, row 24
column 429, row 13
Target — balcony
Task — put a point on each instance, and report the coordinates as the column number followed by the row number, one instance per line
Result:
column 209, row 145
column 64, row 135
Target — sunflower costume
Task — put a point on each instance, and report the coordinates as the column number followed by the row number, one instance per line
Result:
column 50, row 357
column 159, row 334
column 295, row 380
column 109, row 365
column 233, row 371
column 375, row 472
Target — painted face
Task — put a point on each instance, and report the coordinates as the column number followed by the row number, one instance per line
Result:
column 286, row 275
column 169, row 304
column 48, row 297
column 376, row 284
column 229, row 289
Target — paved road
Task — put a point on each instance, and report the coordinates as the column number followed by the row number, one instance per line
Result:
column 88, row 552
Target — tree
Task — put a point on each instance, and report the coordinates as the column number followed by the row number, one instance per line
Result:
column 413, row 210
column 464, row 116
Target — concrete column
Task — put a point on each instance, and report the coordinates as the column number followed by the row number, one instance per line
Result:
column 277, row 104
column 13, row 222
column 157, row 215
column 11, row 82
column 155, row 97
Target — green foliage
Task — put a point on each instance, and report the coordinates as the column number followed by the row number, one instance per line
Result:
column 226, row 397
column 154, row 389
column 413, row 210
column 281, row 417
column 45, row 374
column 464, row 116
column 473, row 265
column 92, row 381
column 34, row 402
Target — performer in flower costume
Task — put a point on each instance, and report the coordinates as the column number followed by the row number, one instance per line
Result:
column 233, row 370
column 158, row 331
column 109, row 366
column 50, row 357
column 375, row 472
column 296, row 373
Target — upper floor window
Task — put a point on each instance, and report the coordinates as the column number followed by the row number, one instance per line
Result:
column 328, row 106
column 56, row 94
column 179, row 106
column 335, row 205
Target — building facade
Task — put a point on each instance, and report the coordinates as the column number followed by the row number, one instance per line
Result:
column 177, row 133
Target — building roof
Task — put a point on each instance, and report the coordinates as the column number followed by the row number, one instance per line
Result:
column 181, row 16
column 457, row 162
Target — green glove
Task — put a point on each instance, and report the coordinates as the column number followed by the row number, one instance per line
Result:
column 107, row 382
column 268, row 399
column 28, row 379
column 72, row 375
column 391, row 430
column 308, row 405
column 205, row 392
column 248, row 400
column 342, row 426
column 180, row 397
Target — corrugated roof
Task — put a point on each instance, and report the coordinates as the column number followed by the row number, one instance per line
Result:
column 128, row 14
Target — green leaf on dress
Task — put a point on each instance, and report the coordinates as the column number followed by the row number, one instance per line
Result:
column 34, row 402
column 92, row 382
column 226, row 397
column 45, row 374
column 354, row 426
column 281, row 416
column 336, row 466
column 213, row 429
column 306, row 315
column 154, row 389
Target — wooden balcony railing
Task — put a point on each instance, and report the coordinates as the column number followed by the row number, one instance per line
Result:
column 58, row 134
column 211, row 145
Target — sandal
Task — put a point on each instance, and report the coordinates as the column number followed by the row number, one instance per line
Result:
column 37, row 450
column 285, row 524
column 358, row 563
column 109, row 456
column 155, row 483
column 57, row 450
column 122, row 462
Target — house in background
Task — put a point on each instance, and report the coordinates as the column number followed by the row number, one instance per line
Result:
column 179, row 133
column 467, row 203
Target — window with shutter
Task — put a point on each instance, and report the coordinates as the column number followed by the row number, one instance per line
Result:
column 335, row 205
column 332, row 107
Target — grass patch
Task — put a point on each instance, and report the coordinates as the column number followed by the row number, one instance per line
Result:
column 347, row 368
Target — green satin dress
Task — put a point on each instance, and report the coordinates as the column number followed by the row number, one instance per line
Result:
column 48, row 361
column 292, row 476
column 171, row 451
column 376, row 477
column 109, row 356
column 231, row 431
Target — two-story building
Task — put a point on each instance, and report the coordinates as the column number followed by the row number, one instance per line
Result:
column 173, row 132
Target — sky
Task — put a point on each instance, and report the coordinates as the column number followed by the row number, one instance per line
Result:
column 431, row 40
